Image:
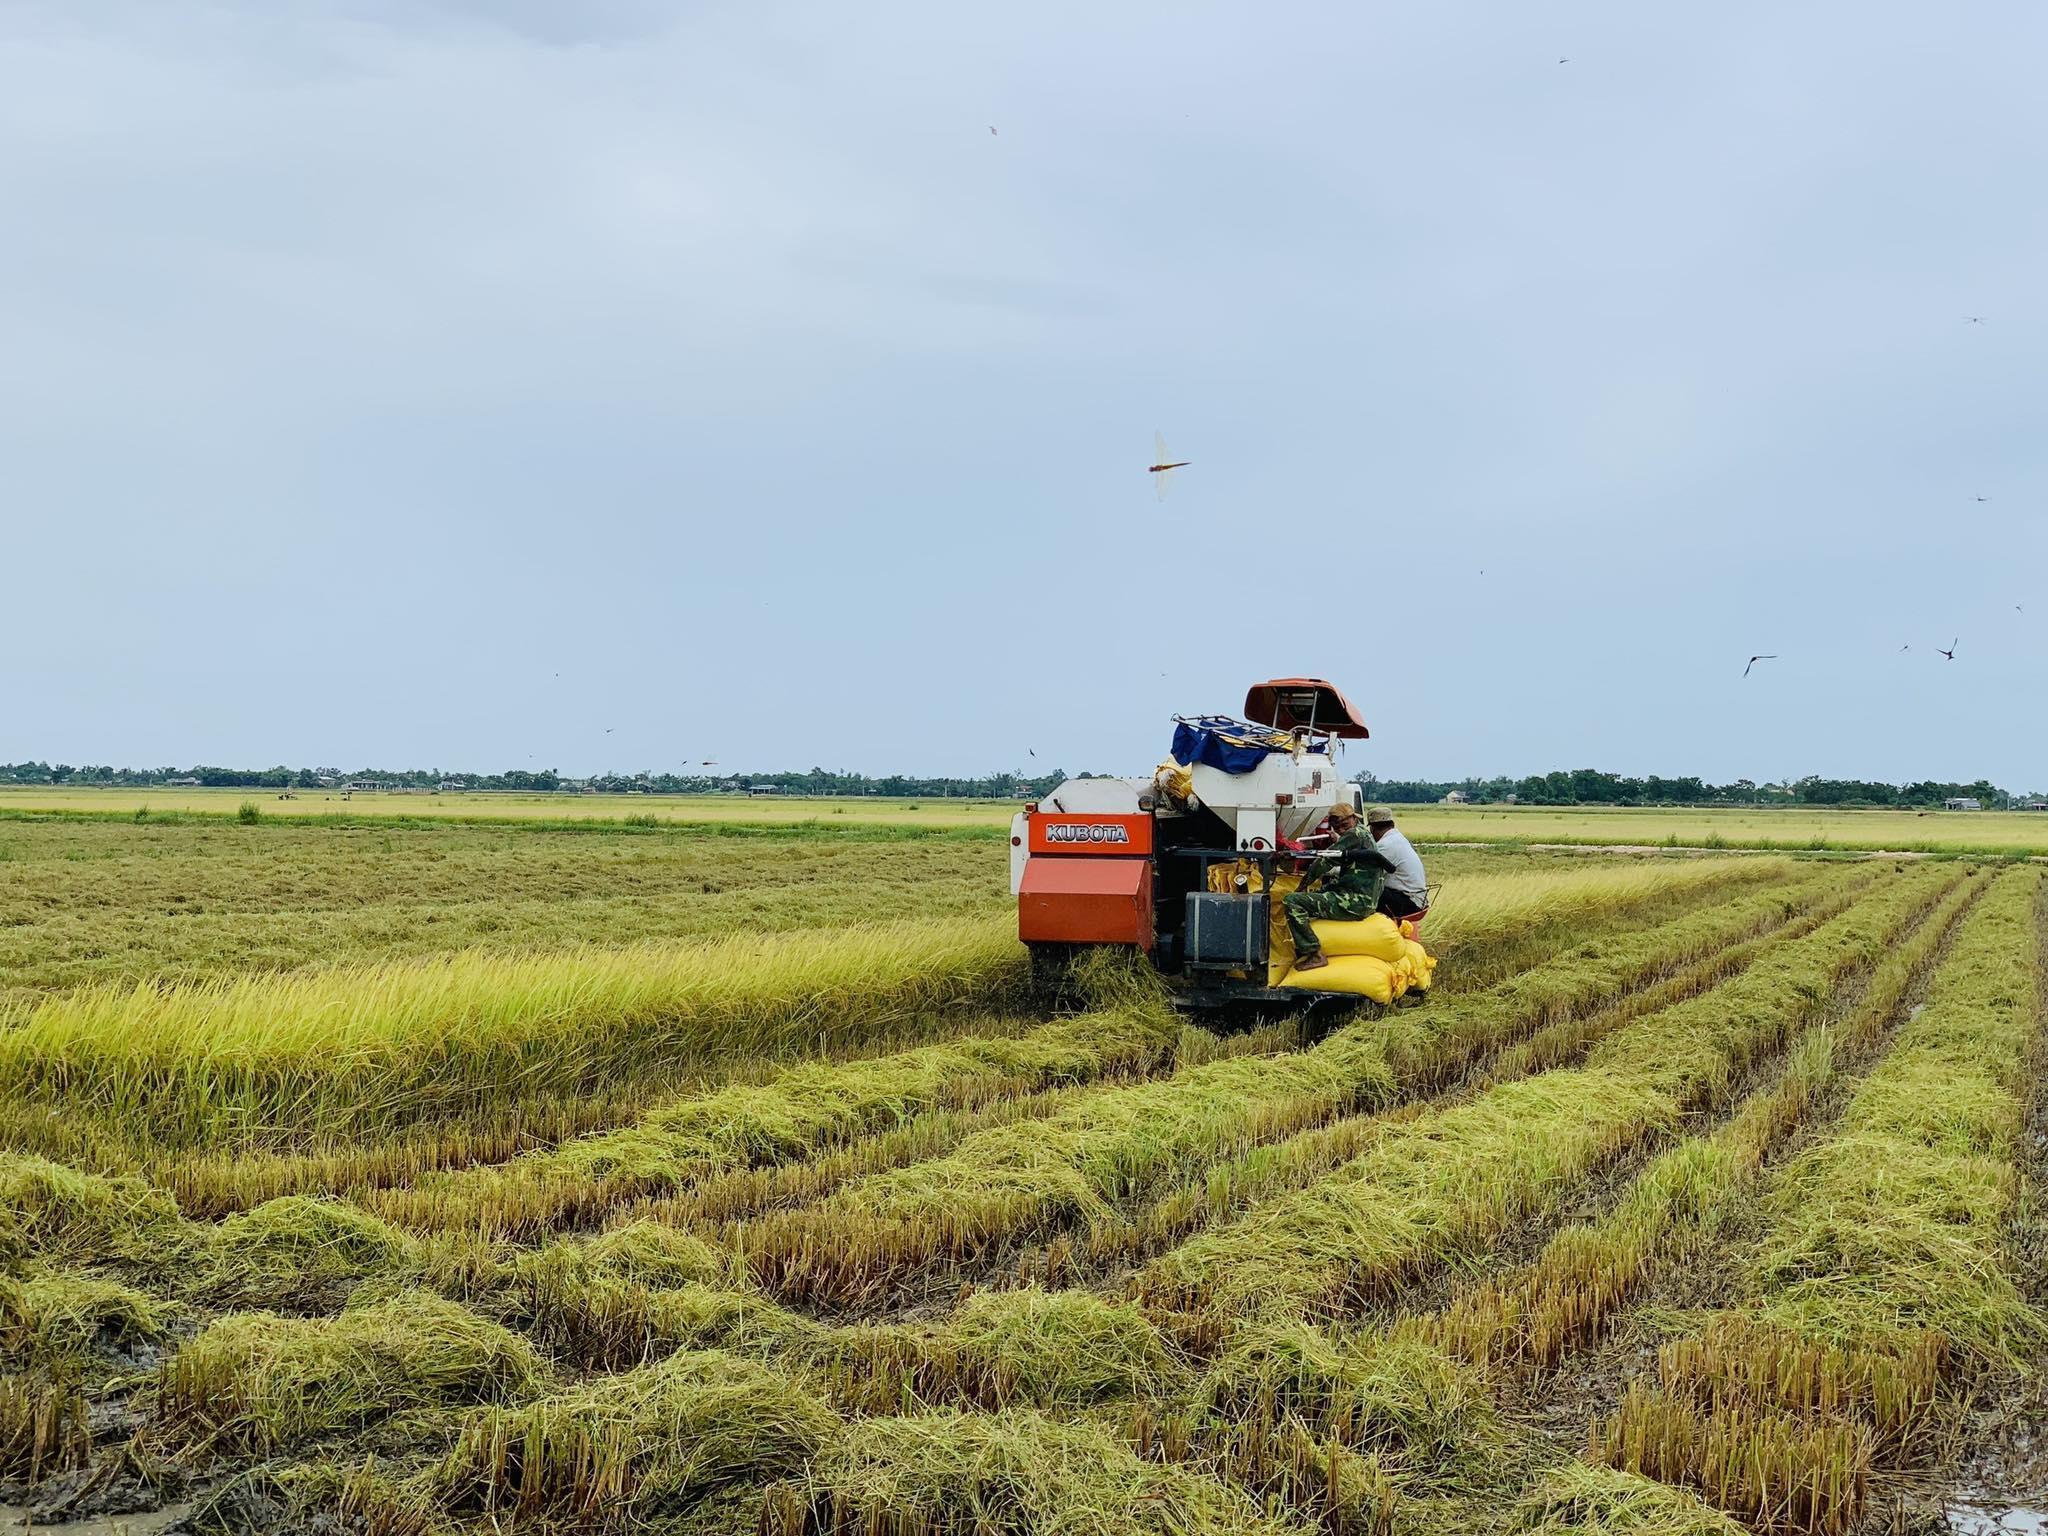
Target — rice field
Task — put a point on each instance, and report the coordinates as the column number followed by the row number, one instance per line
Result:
column 1803, row 829
column 1699, row 1196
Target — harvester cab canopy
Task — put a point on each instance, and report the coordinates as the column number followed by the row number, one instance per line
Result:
column 1304, row 704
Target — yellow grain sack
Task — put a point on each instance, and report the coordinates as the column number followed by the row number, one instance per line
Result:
column 1223, row 877
column 1421, row 963
column 1280, row 949
column 1376, row 936
column 1170, row 778
column 1360, row 974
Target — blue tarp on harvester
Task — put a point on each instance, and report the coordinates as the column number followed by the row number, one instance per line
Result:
column 1228, row 744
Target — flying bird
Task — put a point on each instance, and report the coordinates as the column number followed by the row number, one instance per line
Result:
column 1905, row 647
column 1160, row 466
column 992, row 131
column 709, row 762
column 1564, row 61
column 1950, row 653
column 1755, row 659
column 1974, row 319
column 1983, row 498
column 1031, row 752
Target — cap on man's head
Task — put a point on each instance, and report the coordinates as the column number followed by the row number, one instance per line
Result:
column 1346, row 809
column 1379, row 816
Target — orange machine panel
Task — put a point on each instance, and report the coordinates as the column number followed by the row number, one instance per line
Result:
column 1052, row 832
column 1086, row 901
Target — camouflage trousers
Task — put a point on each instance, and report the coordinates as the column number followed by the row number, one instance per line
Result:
column 1303, row 907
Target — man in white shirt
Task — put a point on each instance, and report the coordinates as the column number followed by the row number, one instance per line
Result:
column 1407, row 889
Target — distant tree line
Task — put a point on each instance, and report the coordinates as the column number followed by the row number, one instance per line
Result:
column 1580, row 786
column 818, row 781
column 1590, row 786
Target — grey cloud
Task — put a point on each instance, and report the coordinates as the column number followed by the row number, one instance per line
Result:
column 720, row 353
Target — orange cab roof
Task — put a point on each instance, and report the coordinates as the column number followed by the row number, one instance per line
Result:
column 1292, row 702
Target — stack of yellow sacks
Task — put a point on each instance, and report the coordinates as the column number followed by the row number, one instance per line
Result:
column 1377, row 958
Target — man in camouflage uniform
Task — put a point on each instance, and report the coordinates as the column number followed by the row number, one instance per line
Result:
column 1347, row 888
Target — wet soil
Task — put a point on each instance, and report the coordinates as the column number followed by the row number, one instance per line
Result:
column 16, row 1517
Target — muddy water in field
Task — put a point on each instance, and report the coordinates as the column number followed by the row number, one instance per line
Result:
column 14, row 1518
column 1967, row 1519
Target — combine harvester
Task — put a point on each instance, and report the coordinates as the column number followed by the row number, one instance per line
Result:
column 1189, row 866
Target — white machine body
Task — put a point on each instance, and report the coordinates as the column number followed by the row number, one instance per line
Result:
column 1284, row 797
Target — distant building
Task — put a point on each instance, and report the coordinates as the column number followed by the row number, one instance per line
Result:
column 370, row 786
column 764, row 789
column 1457, row 797
column 454, row 784
column 187, row 782
column 1962, row 803
column 2032, row 805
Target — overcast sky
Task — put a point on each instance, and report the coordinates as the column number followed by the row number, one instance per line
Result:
column 443, row 384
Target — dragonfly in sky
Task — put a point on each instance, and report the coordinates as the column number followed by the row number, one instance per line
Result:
column 1160, row 465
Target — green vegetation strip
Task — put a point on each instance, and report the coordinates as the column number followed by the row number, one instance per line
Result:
column 1883, row 1290
column 1492, row 927
column 213, row 1182
column 1227, row 1188
column 257, row 1382
column 59, row 1324
column 1603, row 1502
column 646, row 824
column 1088, row 1162
column 734, row 1389
column 296, row 1253
column 608, row 1306
column 794, row 1116
column 626, row 1448
column 360, row 1051
column 1435, row 1184
column 1324, row 1428
column 819, row 1107
column 1017, row 1473
column 1587, row 1271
